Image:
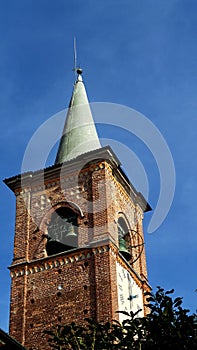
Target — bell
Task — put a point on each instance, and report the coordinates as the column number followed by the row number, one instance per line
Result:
column 71, row 237
column 71, row 232
column 123, row 250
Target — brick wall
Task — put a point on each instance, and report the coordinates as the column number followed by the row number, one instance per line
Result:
column 61, row 289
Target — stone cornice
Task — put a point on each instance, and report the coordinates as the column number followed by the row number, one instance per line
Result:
column 84, row 164
column 53, row 172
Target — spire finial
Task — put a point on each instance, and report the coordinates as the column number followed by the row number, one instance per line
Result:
column 77, row 69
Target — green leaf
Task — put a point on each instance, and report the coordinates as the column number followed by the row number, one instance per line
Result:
column 170, row 291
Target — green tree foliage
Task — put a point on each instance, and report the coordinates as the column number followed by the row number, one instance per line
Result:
column 167, row 327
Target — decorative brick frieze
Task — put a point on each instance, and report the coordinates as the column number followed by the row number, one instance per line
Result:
column 18, row 270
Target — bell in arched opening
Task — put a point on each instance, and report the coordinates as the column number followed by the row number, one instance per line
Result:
column 71, row 237
column 122, row 233
column 123, row 249
column 62, row 231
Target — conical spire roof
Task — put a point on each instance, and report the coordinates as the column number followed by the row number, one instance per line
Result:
column 79, row 134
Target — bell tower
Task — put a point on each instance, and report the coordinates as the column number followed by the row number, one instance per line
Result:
column 79, row 243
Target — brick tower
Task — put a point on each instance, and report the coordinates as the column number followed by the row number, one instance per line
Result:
column 79, row 244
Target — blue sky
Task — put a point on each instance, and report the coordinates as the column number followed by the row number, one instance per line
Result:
column 140, row 54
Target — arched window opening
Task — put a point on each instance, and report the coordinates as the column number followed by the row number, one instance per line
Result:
column 124, row 239
column 62, row 231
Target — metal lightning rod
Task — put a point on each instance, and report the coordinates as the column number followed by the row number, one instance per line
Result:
column 75, row 58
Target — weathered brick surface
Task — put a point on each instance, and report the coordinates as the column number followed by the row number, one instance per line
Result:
column 80, row 283
column 62, row 289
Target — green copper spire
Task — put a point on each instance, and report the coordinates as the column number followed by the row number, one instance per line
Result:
column 79, row 134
